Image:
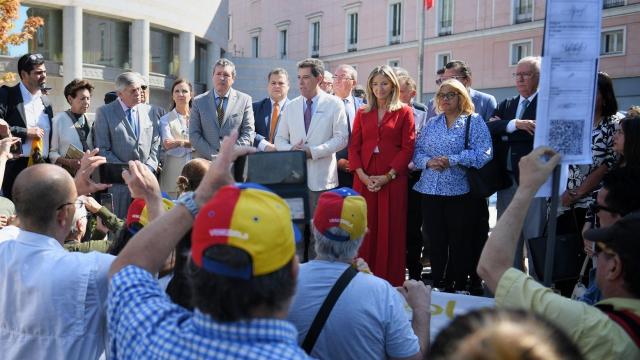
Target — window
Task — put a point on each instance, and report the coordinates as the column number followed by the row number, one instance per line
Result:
column 394, row 63
column 522, row 11
column 48, row 38
column 612, row 42
column 164, row 50
column 315, row 39
column 201, row 71
column 106, row 42
column 255, row 42
column 519, row 50
column 445, row 18
column 352, row 31
column 612, row 3
column 395, row 23
column 229, row 27
column 442, row 59
column 282, row 39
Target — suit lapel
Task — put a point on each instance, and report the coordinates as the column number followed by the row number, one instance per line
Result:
column 120, row 114
column 231, row 103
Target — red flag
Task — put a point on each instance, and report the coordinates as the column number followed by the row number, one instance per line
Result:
column 428, row 4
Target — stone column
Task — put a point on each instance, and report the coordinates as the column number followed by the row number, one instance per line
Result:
column 71, row 43
column 187, row 56
column 140, row 53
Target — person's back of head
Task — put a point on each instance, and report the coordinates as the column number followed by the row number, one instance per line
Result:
column 242, row 255
column 494, row 334
column 623, row 189
column 39, row 192
column 630, row 126
column 339, row 224
column 191, row 175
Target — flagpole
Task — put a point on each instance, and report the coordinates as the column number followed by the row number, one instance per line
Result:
column 421, row 51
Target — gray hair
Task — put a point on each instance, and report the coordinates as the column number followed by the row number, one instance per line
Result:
column 224, row 62
column 128, row 78
column 350, row 69
column 278, row 71
column 400, row 71
column 336, row 250
column 533, row 61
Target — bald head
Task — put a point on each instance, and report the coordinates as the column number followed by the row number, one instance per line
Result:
column 39, row 191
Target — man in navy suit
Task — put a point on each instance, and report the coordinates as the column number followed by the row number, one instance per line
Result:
column 484, row 103
column 266, row 112
column 512, row 128
column 345, row 79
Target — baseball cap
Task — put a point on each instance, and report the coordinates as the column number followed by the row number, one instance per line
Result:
column 138, row 215
column 623, row 236
column 343, row 208
column 249, row 217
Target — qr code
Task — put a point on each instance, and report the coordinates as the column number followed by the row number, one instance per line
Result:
column 565, row 136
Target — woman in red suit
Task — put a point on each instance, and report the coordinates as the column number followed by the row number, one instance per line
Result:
column 380, row 150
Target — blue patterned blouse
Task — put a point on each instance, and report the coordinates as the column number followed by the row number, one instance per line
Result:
column 437, row 140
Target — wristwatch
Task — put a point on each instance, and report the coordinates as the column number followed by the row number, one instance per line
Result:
column 188, row 200
column 391, row 175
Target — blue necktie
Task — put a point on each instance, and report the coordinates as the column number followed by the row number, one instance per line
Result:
column 132, row 122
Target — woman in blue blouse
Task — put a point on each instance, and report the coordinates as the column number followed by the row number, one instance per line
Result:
column 450, row 214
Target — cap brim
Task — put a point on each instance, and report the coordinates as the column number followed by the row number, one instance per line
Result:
column 603, row 235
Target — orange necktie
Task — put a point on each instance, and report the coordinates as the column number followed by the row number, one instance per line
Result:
column 274, row 121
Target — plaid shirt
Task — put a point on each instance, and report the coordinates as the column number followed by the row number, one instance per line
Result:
column 145, row 324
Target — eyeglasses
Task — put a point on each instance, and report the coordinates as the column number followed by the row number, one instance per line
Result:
column 438, row 82
column 456, row 77
column 341, row 78
column 78, row 204
column 524, row 75
column 143, row 87
column 446, row 96
column 596, row 208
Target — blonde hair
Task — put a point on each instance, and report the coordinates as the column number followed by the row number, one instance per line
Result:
column 465, row 105
column 492, row 334
column 394, row 97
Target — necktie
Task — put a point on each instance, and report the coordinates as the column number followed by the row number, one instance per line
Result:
column 346, row 110
column 523, row 108
column 220, row 110
column 274, row 121
column 131, row 122
column 307, row 116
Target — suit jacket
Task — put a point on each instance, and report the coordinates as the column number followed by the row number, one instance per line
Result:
column 346, row 178
column 204, row 132
column 262, row 116
column 12, row 111
column 520, row 142
column 395, row 139
column 327, row 135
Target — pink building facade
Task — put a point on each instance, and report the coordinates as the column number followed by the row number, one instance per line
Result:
column 490, row 35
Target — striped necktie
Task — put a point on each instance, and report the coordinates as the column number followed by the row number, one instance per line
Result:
column 220, row 110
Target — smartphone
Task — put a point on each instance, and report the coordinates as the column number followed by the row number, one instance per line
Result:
column 272, row 168
column 111, row 173
column 106, row 200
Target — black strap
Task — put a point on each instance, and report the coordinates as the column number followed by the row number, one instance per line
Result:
column 82, row 130
column 323, row 314
column 629, row 321
column 466, row 132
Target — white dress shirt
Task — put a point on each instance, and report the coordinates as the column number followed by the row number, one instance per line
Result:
column 35, row 117
column 52, row 302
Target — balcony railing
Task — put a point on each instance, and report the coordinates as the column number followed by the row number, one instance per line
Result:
column 394, row 39
column 612, row 3
column 444, row 28
column 315, row 51
column 524, row 14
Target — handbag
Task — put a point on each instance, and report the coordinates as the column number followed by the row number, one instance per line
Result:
column 483, row 182
column 579, row 289
column 568, row 254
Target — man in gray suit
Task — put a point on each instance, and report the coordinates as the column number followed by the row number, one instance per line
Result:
column 217, row 112
column 124, row 132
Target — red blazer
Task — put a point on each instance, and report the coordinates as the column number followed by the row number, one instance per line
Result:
column 395, row 139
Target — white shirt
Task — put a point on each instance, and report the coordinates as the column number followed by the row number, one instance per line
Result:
column 511, row 126
column 262, row 145
column 35, row 117
column 350, row 110
column 52, row 302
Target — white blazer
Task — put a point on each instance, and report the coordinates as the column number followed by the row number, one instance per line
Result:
column 64, row 134
column 327, row 135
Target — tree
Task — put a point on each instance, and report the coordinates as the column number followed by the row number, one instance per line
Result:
column 9, row 13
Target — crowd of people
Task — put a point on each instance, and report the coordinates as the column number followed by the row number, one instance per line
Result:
column 176, row 260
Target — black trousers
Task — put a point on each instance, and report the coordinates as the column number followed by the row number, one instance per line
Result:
column 454, row 226
column 13, row 168
column 415, row 239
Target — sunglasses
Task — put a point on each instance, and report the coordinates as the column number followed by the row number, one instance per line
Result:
column 447, row 96
column 35, row 57
column 596, row 208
